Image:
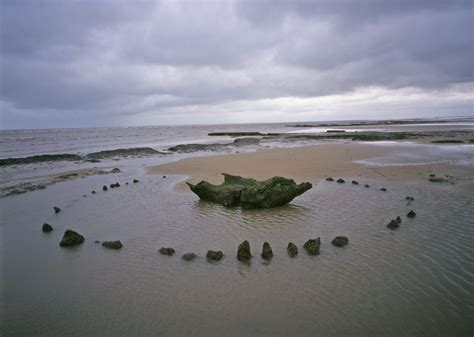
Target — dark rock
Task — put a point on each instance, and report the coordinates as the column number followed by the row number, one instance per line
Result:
column 366, row 186
column 329, row 179
column 135, row 152
column 341, row 181
column 249, row 193
column 243, row 251
column 410, row 198
column 135, row 181
column 112, row 244
column 214, row 255
column 236, row 134
column 47, row 228
column 188, row 256
column 354, row 182
column 398, row 220
column 71, row 238
column 383, row 189
column 246, row 141
column 56, row 209
column 40, row 159
column 104, row 188
column 114, row 185
column 166, row 251
column 115, row 170
column 447, row 141
column 292, row 249
column 97, row 241
column 267, row 252
column 393, row 224
column 93, row 192
column 355, row 136
column 126, row 183
column 411, row 214
column 188, row 148
column 312, row 246
column 164, row 177
column 437, row 180
column 340, row 241
column 432, row 175
column 378, row 136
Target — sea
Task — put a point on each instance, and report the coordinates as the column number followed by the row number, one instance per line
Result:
column 415, row 281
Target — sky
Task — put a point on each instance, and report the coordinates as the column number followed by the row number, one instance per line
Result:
column 98, row 63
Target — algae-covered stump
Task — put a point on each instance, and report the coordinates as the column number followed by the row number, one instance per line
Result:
column 214, row 255
column 47, row 228
column 243, row 251
column 393, row 224
column 71, row 238
column 267, row 252
column 312, row 246
column 166, row 251
column 411, row 214
column 188, row 256
column 340, row 241
column 292, row 249
column 112, row 244
column 249, row 193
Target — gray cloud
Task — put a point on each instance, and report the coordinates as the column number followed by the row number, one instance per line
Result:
column 106, row 62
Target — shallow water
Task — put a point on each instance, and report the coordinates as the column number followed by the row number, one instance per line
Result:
column 411, row 153
column 415, row 281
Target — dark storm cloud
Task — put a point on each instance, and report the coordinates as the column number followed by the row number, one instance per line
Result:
column 108, row 60
column 31, row 28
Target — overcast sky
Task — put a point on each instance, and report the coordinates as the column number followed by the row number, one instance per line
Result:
column 110, row 63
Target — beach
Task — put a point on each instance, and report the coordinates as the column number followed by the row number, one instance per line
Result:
column 236, row 168
column 414, row 280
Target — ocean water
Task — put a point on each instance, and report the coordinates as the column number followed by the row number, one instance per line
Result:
column 415, row 281
column 22, row 143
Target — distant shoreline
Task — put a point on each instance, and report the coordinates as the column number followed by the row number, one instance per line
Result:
column 382, row 122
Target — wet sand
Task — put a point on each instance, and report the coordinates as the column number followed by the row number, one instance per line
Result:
column 414, row 281
column 311, row 163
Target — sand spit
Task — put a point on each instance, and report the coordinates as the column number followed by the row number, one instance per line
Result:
column 308, row 163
